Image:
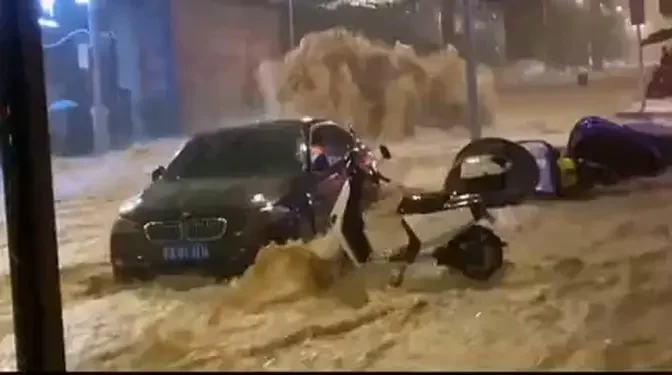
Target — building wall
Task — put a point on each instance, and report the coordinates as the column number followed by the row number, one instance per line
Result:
column 219, row 46
column 146, row 64
column 121, row 22
column 427, row 21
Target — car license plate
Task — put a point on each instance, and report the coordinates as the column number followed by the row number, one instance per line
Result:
column 188, row 252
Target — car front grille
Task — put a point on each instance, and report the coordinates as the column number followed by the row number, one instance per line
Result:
column 204, row 229
column 195, row 229
column 163, row 231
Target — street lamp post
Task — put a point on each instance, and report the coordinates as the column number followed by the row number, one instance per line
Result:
column 292, row 39
column 99, row 112
column 470, row 71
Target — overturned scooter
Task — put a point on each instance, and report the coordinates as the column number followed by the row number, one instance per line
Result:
column 468, row 246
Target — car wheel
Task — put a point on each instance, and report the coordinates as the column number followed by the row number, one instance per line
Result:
column 477, row 252
column 122, row 275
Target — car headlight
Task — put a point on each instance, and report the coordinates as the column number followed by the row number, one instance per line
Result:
column 274, row 208
column 268, row 205
column 129, row 205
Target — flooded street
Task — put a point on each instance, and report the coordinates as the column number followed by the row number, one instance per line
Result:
column 586, row 286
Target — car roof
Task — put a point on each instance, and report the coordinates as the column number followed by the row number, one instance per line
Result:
column 286, row 124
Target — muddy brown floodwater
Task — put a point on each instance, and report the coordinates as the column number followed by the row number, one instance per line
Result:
column 587, row 284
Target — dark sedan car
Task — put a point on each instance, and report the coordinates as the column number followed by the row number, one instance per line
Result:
column 228, row 193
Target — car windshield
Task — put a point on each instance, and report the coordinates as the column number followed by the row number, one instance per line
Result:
column 240, row 152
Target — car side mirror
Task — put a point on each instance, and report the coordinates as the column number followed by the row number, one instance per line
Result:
column 385, row 152
column 158, row 173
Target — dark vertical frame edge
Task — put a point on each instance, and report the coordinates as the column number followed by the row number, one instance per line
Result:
column 29, row 197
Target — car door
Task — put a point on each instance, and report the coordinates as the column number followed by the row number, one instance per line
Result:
column 335, row 142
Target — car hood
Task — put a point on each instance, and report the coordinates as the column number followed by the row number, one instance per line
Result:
column 168, row 200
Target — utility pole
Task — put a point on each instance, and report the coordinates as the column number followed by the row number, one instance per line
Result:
column 448, row 21
column 29, row 197
column 470, row 71
column 292, row 38
column 101, row 132
column 596, row 41
column 638, row 18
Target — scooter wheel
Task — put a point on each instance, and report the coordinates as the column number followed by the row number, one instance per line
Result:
column 477, row 252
